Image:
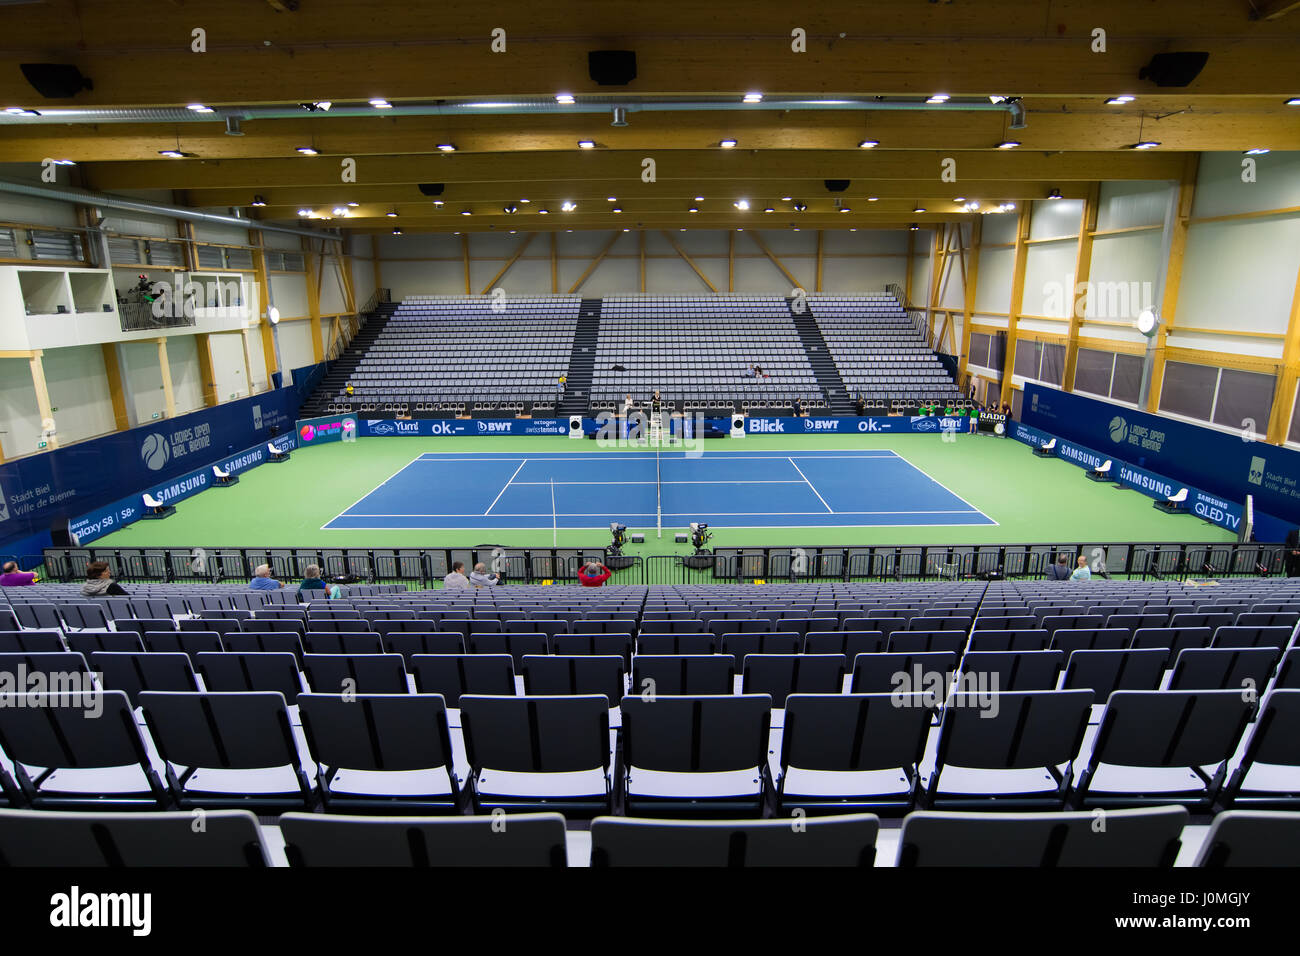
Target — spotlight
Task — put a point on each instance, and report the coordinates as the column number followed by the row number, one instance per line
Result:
column 437, row 204
column 913, row 227
column 800, row 207
column 397, row 232
column 611, row 199
column 693, row 209
column 564, row 99
column 753, row 98
column 171, row 153
column 919, row 209
column 259, row 201
column 586, row 144
column 728, row 144
column 995, row 99
column 199, row 108
column 307, row 151
column 869, row 144
column 1008, row 144
column 340, row 211
column 699, row 199
column 1256, row 151
column 1293, row 101
column 938, row 98
column 873, row 199
column 510, row 210
column 1119, row 100
column 304, row 213
column 741, row 204
column 466, row 212
column 769, row 209
column 543, row 212
column 353, row 205
column 392, row 214
column 447, row 147
column 845, row 209
column 568, row 206
column 1146, row 144
column 616, row 209
column 523, row 200
column 69, row 162
column 785, row 199
column 381, row 104
column 1054, row 194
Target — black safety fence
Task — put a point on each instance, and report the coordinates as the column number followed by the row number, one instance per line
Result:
column 426, row 567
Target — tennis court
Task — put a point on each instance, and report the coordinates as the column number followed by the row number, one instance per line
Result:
column 587, row 489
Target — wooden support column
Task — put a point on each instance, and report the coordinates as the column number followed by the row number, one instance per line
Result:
column 464, row 255
column 164, row 367
column 203, row 345
column 43, row 407
column 758, row 241
column 731, row 261
column 511, row 261
column 907, row 284
column 817, row 285
column 969, row 291
column 938, row 251
column 600, row 257
column 113, row 372
column 315, row 271
column 260, row 321
column 1173, row 277
column 687, row 259
column 1078, row 297
column 1017, row 294
column 1279, row 421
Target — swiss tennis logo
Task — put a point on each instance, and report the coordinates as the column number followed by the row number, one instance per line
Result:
column 1256, row 476
column 1118, row 429
column 155, row 451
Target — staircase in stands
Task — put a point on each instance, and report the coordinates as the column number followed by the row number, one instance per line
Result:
column 582, row 361
column 819, row 357
column 336, row 378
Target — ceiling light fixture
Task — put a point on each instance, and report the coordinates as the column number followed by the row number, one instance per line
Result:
column 586, row 144
column 381, row 104
column 1145, row 144
column 466, row 212
column 510, row 210
column 568, row 206
column 1054, row 194
column 1256, row 151
column 258, row 201
column 728, row 144
column 397, row 232
column 447, row 147
column 741, row 204
column 869, row 144
column 564, row 99
column 938, row 98
column 617, row 209
column 392, row 214
column 1119, row 100
column 913, row 227
column 304, row 213
column 1008, row 144
column 171, row 153
column 753, row 98
column 199, row 108
column 307, row 150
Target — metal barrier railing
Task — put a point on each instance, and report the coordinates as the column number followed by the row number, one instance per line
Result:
column 426, row 567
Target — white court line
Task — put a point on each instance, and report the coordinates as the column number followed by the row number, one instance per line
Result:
column 615, row 456
column 678, row 514
column 754, row 481
column 373, row 490
column 951, row 492
column 829, row 509
column 504, row 487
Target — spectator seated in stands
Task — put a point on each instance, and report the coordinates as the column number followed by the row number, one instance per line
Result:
column 455, row 578
column 1060, row 571
column 311, row 580
column 1081, row 573
column 13, row 578
column 100, row 583
column 560, row 383
column 348, row 389
column 594, row 574
column 262, row 580
column 480, row 578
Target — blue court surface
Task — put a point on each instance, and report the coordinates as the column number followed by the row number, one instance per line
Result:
column 751, row 489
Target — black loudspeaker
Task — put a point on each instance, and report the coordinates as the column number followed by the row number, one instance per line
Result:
column 55, row 81
column 432, row 189
column 1174, row 69
column 837, row 185
column 60, row 536
column 612, row 67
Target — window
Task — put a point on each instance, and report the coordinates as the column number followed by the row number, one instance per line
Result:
column 55, row 245
column 980, row 346
column 1041, row 361
column 1109, row 374
column 1229, row 397
column 1294, row 434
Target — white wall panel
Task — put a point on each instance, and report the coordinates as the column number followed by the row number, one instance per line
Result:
column 78, row 387
column 1240, row 274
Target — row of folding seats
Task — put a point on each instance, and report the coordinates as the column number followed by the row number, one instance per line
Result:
column 232, row 838
column 680, row 754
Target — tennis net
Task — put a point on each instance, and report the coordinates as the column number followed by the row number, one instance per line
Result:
column 659, row 495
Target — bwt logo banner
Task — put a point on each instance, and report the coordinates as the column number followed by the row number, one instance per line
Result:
column 495, row 428
column 767, row 425
column 821, row 424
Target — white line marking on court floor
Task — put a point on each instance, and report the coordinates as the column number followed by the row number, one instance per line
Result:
column 504, row 487
column 374, row 489
column 829, row 509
